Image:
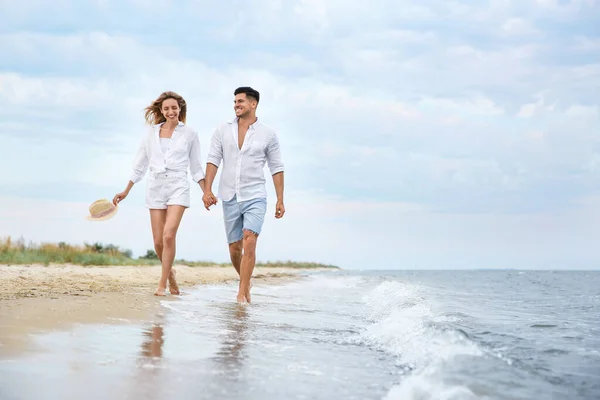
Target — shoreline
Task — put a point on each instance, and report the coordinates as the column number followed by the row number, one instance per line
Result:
column 37, row 298
column 55, row 280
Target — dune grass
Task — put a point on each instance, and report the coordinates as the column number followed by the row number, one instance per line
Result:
column 18, row 252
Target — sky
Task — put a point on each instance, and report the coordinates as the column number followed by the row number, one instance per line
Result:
column 415, row 134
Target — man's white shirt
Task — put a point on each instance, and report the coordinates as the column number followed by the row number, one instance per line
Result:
column 242, row 174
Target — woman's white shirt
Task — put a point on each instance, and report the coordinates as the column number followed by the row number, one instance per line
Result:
column 183, row 152
column 164, row 144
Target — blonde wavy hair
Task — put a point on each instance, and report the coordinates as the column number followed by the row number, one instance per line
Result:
column 153, row 114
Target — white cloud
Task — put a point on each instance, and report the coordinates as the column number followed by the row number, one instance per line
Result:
column 571, row 5
column 573, row 111
column 547, row 3
column 536, row 135
column 66, row 93
column 535, row 109
column 518, row 26
column 580, row 111
column 587, row 44
column 479, row 106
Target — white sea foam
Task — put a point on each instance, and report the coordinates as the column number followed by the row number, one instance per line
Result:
column 404, row 322
column 426, row 387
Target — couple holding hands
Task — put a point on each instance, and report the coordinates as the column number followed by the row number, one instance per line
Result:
column 243, row 145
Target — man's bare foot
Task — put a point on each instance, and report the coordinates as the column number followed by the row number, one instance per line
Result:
column 173, row 287
column 160, row 292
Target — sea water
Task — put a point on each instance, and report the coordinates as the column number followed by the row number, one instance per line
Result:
column 338, row 335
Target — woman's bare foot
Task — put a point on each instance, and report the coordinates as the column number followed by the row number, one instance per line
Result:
column 160, row 292
column 241, row 299
column 243, row 296
column 173, row 287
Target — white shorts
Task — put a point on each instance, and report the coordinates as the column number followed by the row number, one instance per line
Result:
column 167, row 188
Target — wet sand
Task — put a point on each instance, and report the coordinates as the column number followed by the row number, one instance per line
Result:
column 37, row 298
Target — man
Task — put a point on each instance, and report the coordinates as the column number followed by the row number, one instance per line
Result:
column 244, row 144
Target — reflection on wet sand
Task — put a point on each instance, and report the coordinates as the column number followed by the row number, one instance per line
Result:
column 231, row 354
column 146, row 384
column 225, row 364
column 152, row 346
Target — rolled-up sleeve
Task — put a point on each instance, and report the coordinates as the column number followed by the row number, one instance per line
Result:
column 215, row 154
column 274, row 160
column 196, row 169
column 140, row 162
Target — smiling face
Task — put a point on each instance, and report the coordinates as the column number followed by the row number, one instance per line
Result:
column 243, row 105
column 170, row 109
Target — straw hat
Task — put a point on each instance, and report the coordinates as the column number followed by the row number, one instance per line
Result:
column 101, row 210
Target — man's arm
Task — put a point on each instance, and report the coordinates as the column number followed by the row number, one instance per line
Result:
column 276, row 167
column 278, row 183
column 215, row 156
column 211, row 172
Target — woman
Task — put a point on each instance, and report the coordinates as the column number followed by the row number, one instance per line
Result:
column 168, row 149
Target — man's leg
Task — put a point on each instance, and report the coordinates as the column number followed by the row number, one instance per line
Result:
column 235, row 254
column 232, row 217
column 247, row 266
column 253, row 212
column 174, row 215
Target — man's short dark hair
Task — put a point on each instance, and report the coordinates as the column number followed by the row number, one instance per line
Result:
column 248, row 91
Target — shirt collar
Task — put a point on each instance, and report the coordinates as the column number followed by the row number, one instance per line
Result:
column 252, row 126
column 179, row 125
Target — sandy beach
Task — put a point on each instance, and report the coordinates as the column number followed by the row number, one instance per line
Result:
column 37, row 298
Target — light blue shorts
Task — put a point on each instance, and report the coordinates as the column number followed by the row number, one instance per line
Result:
column 241, row 216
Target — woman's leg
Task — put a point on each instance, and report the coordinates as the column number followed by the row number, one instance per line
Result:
column 158, row 218
column 173, row 219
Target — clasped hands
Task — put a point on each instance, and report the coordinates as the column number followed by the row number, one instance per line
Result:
column 209, row 199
